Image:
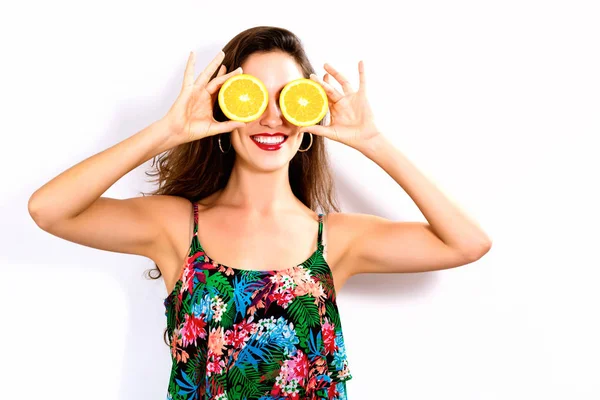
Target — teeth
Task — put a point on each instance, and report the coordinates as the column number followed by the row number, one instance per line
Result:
column 269, row 140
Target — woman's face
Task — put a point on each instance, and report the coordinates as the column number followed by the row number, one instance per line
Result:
column 275, row 70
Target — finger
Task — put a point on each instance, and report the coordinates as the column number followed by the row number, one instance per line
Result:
column 346, row 87
column 222, row 70
column 209, row 70
column 188, row 76
column 327, row 79
column 216, row 83
column 227, row 126
column 362, row 77
column 336, row 94
column 318, row 130
column 333, row 95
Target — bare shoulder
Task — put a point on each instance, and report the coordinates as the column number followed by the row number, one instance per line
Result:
column 170, row 211
column 343, row 227
column 350, row 235
column 340, row 230
column 350, row 219
column 174, row 214
column 345, row 233
column 178, row 220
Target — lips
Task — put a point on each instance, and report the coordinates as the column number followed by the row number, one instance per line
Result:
column 269, row 146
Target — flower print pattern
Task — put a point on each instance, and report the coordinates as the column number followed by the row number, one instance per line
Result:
column 255, row 334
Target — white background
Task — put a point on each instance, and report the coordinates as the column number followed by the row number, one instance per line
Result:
column 498, row 102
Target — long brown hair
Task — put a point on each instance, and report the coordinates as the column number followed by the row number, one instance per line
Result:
column 197, row 169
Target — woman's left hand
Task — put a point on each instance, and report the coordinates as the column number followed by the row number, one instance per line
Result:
column 351, row 118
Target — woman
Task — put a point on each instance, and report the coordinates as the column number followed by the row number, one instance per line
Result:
column 245, row 319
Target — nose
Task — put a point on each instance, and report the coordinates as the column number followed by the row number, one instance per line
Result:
column 272, row 116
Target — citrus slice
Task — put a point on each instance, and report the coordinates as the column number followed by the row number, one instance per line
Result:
column 303, row 102
column 243, row 97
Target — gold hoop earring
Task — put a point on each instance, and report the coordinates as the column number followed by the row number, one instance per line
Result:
column 311, row 142
column 224, row 152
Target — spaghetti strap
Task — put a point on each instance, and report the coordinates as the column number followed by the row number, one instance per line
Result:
column 320, row 238
column 195, row 209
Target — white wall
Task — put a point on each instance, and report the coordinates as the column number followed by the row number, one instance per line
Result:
column 498, row 102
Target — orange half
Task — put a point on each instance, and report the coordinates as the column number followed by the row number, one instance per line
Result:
column 243, row 97
column 303, row 102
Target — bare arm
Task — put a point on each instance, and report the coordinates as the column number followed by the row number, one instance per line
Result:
column 74, row 190
column 69, row 206
column 449, row 238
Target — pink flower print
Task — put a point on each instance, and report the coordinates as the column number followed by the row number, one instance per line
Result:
column 193, row 327
column 282, row 297
column 216, row 340
column 311, row 287
column 298, row 366
column 300, row 275
column 225, row 269
column 177, row 351
column 246, row 325
column 292, row 375
column 187, row 278
column 328, row 336
column 239, row 334
column 214, row 364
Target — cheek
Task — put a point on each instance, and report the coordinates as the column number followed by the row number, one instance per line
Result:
column 236, row 137
column 252, row 126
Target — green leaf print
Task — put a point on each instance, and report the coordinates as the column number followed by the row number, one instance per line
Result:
column 220, row 282
column 312, row 261
column 302, row 332
column 333, row 314
column 229, row 315
column 221, row 379
column 244, row 383
column 304, row 313
column 271, row 368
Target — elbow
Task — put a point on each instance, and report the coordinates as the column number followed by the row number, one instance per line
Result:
column 35, row 213
column 476, row 252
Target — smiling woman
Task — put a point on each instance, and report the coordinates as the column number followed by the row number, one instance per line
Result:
column 258, row 318
column 255, row 332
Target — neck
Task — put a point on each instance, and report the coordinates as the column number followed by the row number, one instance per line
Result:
column 259, row 192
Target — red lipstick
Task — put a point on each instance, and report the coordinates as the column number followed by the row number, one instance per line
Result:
column 269, row 144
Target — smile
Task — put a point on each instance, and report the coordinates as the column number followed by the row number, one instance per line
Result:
column 269, row 142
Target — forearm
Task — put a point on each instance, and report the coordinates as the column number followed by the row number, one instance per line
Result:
column 74, row 190
column 451, row 224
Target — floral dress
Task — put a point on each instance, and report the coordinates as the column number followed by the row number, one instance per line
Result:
column 239, row 334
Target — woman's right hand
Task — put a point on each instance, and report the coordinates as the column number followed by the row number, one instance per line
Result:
column 191, row 116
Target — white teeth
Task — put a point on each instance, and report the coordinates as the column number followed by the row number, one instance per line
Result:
column 269, row 140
